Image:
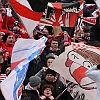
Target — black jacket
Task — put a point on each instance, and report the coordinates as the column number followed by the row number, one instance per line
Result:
column 58, row 88
column 47, row 51
column 33, row 94
column 96, row 29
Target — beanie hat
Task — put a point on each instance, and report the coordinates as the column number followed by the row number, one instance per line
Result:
column 34, row 80
column 49, row 71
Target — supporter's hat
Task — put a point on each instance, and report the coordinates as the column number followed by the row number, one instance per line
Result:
column 49, row 71
column 34, row 80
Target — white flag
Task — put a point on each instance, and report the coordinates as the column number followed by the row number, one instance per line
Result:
column 24, row 51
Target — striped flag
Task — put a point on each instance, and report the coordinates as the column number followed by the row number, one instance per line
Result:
column 96, row 13
column 24, row 51
column 27, row 12
column 2, row 77
column 90, row 20
column 90, row 6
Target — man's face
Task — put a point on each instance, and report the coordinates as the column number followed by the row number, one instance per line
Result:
column 10, row 39
column 54, row 45
column 50, row 78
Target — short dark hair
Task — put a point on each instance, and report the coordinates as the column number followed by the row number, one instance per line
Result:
column 98, row 66
column 54, row 39
column 5, row 37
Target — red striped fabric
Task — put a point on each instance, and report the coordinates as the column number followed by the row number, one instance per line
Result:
column 2, row 77
column 61, row 18
column 29, row 18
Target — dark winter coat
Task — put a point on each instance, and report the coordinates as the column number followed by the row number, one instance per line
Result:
column 58, row 88
column 96, row 30
column 33, row 94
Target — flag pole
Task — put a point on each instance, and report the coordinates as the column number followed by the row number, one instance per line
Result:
column 60, row 94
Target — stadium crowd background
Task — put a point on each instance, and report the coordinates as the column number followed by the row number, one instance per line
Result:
column 11, row 28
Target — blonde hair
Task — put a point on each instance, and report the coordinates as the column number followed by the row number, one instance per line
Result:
column 56, row 30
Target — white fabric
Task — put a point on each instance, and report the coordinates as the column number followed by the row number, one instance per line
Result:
column 94, row 74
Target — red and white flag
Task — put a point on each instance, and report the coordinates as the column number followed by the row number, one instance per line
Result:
column 96, row 13
column 26, row 13
column 90, row 6
column 2, row 77
column 90, row 20
column 62, row 14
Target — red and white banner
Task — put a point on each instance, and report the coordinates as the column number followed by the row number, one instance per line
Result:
column 72, row 64
column 2, row 77
column 96, row 13
column 90, row 20
column 90, row 6
column 29, row 17
column 62, row 14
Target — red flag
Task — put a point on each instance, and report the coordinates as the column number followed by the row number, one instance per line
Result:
column 62, row 14
column 28, row 16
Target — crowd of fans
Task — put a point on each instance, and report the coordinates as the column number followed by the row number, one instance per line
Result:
column 52, row 85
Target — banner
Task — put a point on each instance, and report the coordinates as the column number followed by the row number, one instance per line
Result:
column 72, row 65
column 90, row 20
column 98, row 3
column 27, row 12
column 62, row 14
column 24, row 51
